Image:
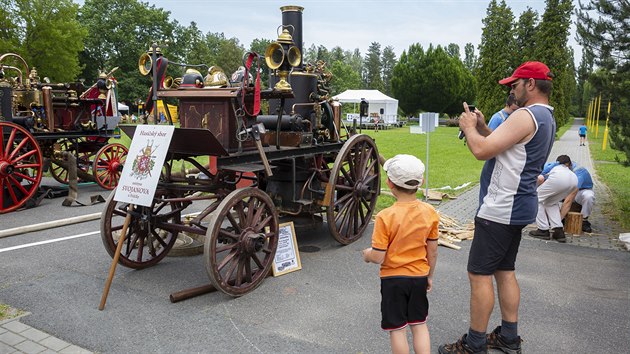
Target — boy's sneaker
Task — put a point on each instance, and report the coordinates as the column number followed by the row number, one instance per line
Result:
column 541, row 234
column 586, row 226
column 459, row 347
column 497, row 341
column 558, row 235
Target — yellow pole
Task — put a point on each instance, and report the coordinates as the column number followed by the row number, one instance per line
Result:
column 592, row 127
column 606, row 129
column 590, row 114
column 599, row 106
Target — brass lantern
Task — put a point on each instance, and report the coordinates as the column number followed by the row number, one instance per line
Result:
column 282, row 55
column 145, row 62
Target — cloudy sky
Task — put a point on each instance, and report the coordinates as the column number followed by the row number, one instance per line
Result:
column 350, row 24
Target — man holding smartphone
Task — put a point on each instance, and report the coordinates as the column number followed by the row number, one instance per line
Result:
column 514, row 153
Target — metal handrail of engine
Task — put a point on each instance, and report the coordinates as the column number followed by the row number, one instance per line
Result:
column 302, row 104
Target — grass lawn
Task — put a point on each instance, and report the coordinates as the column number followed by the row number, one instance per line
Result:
column 563, row 129
column 614, row 175
column 450, row 162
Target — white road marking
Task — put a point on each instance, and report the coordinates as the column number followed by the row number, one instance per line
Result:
column 48, row 241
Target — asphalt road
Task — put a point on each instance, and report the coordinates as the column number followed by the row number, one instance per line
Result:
column 574, row 299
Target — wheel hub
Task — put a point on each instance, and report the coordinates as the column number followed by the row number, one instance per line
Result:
column 6, row 169
column 362, row 190
column 251, row 242
column 113, row 167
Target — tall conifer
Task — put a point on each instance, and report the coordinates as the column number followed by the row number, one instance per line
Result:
column 496, row 53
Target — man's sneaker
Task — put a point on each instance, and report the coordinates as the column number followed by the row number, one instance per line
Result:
column 459, row 347
column 542, row 234
column 497, row 341
column 586, row 226
column 558, row 235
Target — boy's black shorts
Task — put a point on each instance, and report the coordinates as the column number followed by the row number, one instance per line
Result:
column 494, row 247
column 403, row 302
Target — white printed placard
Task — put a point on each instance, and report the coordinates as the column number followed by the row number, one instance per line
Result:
column 141, row 172
column 287, row 257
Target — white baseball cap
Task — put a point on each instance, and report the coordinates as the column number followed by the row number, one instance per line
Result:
column 405, row 171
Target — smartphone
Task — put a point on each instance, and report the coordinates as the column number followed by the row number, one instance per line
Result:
column 471, row 108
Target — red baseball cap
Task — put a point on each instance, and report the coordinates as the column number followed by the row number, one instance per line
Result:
column 529, row 70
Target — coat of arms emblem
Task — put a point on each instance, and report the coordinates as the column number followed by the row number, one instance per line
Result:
column 144, row 162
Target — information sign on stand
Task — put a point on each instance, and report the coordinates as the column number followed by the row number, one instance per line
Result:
column 141, row 172
column 287, row 255
column 428, row 122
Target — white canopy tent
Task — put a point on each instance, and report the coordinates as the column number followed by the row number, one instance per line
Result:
column 379, row 103
column 123, row 108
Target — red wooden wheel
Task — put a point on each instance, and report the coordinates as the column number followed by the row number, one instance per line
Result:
column 108, row 164
column 20, row 166
column 59, row 173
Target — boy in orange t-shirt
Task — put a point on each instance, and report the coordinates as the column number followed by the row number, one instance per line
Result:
column 404, row 243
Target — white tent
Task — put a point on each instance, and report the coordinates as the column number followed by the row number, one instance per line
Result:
column 123, row 107
column 379, row 103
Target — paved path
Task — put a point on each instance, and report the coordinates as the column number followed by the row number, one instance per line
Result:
column 605, row 231
column 16, row 337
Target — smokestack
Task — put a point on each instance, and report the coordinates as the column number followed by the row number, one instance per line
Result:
column 292, row 15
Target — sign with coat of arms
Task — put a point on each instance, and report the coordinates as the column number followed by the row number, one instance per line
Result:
column 141, row 173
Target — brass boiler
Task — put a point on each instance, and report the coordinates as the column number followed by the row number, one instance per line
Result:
column 25, row 95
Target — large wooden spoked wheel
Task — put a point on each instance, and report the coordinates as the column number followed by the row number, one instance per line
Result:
column 241, row 241
column 108, row 163
column 20, row 166
column 352, row 189
column 147, row 241
column 59, row 173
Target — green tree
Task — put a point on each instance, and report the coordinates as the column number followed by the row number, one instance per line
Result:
column 337, row 54
column 431, row 81
column 583, row 72
column 323, row 54
column 526, row 36
column 496, row 53
column 119, row 31
column 344, row 78
column 405, row 83
column 372, row 76
column 310, row 54
column 355, row 60
column 9, row 29
column 46, row 34
column 453, row 50
column 470, row 59
column 389, row 61
column 260, row 46
column 551, row 49
column 604, row 31
column 225, row 52
column 189, row 46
